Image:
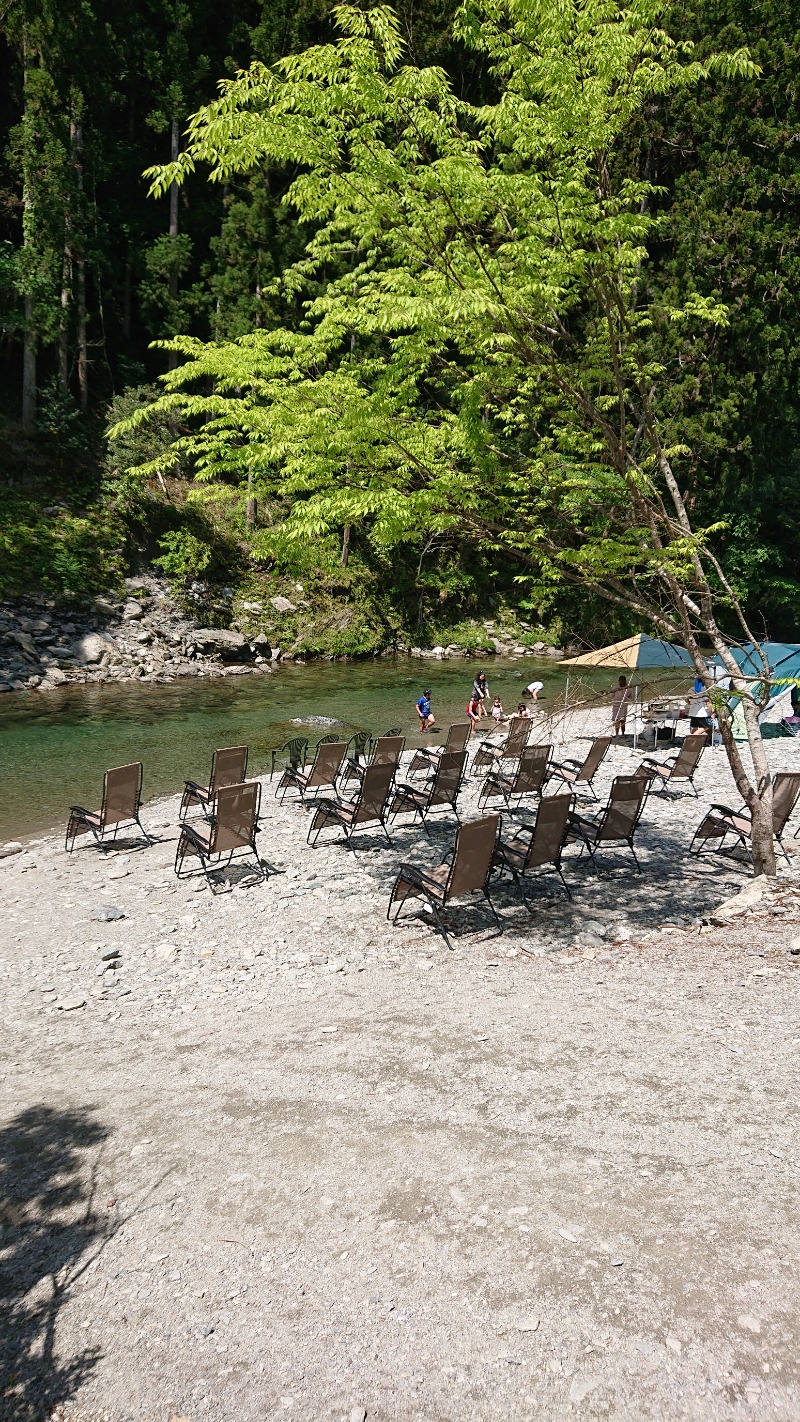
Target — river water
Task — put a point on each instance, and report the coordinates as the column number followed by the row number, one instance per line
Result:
column 55, row 746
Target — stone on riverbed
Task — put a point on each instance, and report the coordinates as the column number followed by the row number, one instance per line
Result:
column 109, row 913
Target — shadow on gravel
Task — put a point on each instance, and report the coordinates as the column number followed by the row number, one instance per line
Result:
column 50, row 1229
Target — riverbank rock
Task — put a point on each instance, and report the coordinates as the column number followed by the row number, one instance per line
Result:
column 92, row 647
column 230, row 646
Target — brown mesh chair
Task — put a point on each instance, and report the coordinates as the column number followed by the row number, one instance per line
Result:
column 326, row 766
column 228, row 767
column 122, row 798
column 539, row 846
column 527, row 779
column 233, row 827
column 439, row 793
column 467, row 873
column 511, row 749
column 387, row 750
column 721, row 820
column 617, row 823
column 573, row 773
column 428, row 757
column 368, row 807
column 663, row 773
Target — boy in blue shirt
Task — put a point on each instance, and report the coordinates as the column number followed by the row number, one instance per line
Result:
column 426, row 720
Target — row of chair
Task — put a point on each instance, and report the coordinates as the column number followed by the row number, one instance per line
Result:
column 481, row 850
column 230, row 805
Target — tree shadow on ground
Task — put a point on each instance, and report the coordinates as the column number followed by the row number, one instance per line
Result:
column 50, row 1229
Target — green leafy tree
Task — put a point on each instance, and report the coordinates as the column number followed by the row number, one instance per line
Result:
column 493, row 359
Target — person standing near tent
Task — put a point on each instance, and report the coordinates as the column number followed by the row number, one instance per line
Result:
column 620, row 700
column 700, row 709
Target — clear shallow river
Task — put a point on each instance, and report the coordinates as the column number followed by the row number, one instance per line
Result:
column 54, row 747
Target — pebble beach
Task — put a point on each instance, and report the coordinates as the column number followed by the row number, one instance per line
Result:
column 265, row 1155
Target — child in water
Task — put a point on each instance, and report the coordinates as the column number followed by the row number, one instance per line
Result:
column 498, row 714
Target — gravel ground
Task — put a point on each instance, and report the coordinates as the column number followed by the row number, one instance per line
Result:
column 285, row 1161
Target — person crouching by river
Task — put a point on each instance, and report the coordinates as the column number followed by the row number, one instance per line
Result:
column 426, row 719
column 474, row 712
column 620, row 700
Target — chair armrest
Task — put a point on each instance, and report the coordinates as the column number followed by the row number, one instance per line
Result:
column 412, row 872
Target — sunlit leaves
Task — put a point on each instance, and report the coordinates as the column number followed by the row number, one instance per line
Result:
column 481, row 353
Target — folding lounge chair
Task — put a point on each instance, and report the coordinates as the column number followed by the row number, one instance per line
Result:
column 573, row 773
column 368, row 807
column 538, row 846
column 228, row 767
column 467, row 872
column 617, row 822
column 394, row 731
column 527, row 779
column 326, row 767
column 122, row 798
column 721, row 820
column 511, row 749
column 387, row 750
column 233, row 827
column 427, row 757
column 663, row 773
column 294, row 752
column 439, row 793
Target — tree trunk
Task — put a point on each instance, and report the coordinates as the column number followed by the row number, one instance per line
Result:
column 762, row 836
column 28, row 218
column 345, row 545
column 172, row 358
column 29, row 370
column 252, row 502
column 63, row 320
column 76, row 146
column 127, row 297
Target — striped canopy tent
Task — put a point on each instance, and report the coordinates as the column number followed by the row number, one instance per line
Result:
column 634, row 653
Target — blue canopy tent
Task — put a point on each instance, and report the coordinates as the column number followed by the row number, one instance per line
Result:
column 783, row 661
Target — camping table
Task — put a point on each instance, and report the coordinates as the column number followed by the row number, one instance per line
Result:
column 663, row 714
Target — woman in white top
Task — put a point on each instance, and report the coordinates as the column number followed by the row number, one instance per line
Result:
column 620, row 699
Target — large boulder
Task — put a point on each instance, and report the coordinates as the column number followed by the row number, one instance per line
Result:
column 230, row 646
column 91, row 648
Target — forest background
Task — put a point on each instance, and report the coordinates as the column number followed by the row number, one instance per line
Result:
column 93, row 270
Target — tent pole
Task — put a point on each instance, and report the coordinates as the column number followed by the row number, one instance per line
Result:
column 566, row 703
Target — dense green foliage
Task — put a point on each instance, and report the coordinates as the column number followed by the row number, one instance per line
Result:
column 307, row 359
